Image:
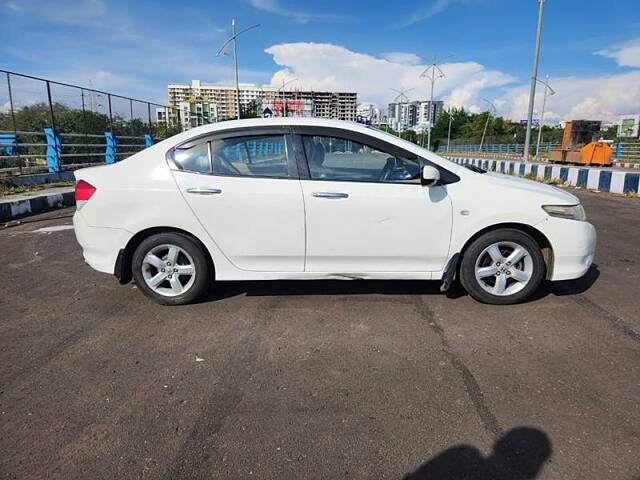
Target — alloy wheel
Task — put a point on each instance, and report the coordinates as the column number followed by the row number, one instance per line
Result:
column 504, row 268
column 168, row 270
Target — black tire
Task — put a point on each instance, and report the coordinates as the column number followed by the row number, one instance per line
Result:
column 468, row 267
column 202, row 276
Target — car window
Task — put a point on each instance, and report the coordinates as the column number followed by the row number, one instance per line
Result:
column 333, row 158
column 262, row 155
column 195, row 158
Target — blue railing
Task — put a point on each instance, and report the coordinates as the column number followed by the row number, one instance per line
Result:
column 53, row 150
column 622, row 151
column 510, row 148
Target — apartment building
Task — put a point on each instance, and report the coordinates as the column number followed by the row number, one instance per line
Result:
column 337, row 105
column 417, row 114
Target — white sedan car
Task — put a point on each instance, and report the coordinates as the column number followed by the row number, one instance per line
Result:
column 308, row 198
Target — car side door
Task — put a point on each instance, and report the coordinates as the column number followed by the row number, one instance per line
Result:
column 366, row 210
column 243, row 186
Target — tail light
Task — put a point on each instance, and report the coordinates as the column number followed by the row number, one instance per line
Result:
column 84, row 191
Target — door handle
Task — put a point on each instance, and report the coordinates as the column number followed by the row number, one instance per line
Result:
column 204, row 191
column 330, row 195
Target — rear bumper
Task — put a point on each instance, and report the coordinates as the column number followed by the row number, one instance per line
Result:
column 100, row 245
column 573, row 244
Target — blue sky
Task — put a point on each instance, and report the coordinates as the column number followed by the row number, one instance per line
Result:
column 590, row 49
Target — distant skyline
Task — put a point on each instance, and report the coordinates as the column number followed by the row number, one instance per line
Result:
column 590, row 50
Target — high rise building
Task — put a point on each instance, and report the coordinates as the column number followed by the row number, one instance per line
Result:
column 409, row 115
column 325, row 104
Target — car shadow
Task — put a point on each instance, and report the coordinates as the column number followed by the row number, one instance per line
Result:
column 520, row 454
column 266, row 288
column 573, row 287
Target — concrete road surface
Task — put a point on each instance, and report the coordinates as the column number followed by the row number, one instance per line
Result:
column 296, row 380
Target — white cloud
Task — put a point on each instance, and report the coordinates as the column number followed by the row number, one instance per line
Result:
column 595, row 98
column 625, row 54
column 322, row 66
column 428, row 9
column 401, row 57
column 274, row 6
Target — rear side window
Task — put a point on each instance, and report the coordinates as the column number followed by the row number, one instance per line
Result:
column 194, row 159
column 251, row 156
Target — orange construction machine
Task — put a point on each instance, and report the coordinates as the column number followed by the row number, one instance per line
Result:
column 579, row 145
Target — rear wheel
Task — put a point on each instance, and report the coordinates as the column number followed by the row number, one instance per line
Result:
column 502, row 267
column 171, row 268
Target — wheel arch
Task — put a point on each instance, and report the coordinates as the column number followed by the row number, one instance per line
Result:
column 537, row 235
column 123, row 266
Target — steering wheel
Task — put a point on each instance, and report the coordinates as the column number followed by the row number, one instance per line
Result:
column 226, row 164
column 388, row 169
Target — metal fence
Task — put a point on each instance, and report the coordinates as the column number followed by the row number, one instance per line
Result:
column 622, row 151
column 52, row 126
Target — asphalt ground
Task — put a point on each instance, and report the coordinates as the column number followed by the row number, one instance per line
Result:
column 295, row 380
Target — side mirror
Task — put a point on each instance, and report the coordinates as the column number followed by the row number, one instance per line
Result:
column 430, row 176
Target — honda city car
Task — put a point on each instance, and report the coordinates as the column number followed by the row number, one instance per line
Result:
column 310, row 198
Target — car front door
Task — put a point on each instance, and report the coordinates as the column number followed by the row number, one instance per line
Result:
column 244, row 189
column 366, row 210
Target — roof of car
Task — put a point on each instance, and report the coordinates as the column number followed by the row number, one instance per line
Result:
column 277, row 121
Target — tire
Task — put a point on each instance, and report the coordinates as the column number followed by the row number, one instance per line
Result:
column 490, row 274
column 171, row 268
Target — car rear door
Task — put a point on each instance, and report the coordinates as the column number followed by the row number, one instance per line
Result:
column 244, row 188
column 358, row 222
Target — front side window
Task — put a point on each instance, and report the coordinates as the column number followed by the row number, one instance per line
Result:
column 194, row 159
column 339, row 159
column 260, row 156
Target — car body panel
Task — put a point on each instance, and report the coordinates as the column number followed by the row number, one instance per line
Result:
column 258, row 223
column 378, row 227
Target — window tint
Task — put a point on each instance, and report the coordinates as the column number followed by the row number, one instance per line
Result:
column 264, row 156
column 332, row 158
column 195, row 158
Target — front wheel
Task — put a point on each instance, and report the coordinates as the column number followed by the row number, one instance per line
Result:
column 171, row 268
column 502, row 267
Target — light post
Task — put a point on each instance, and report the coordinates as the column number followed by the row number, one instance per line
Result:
column 449, row 133
column 534, row 77
column 399, row 100
column 486, row 124
column 222, row 51
column 282, row 96
column 432, row 72
column 550, row 91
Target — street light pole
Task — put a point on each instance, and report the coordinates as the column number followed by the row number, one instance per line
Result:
column 235, row 63
column 282, row 94
column 547, row 89
column 449, row 133
column 486, row 124
column 433, row 68
column 534, row 76
column 222, row 51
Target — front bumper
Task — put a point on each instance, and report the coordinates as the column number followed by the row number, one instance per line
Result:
column 100, row 245
column 574, row 245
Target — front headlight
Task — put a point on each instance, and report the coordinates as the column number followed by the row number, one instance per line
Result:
column 571, row 212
